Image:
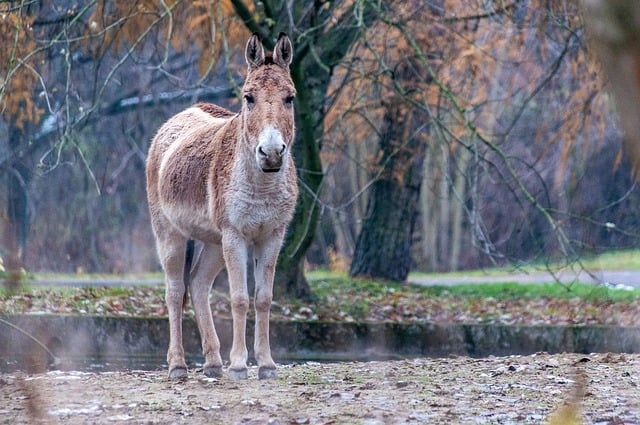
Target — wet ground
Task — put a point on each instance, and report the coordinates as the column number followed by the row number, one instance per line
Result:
column 457, row 390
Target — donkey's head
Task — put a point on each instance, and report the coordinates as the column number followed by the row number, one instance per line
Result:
column 267, row 105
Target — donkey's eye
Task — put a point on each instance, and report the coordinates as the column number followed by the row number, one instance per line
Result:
column 288, row 100
column 250, row 99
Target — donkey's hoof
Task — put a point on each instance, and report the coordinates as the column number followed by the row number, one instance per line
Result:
column 213, row 371
column 178, row 372
column 267, row 373
column 237, row 374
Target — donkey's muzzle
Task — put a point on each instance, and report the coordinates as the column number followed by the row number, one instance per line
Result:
column 270, row 157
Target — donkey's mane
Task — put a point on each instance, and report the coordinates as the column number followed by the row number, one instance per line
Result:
column 214, row 110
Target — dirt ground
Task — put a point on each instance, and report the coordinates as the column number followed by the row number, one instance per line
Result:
column 458, row 390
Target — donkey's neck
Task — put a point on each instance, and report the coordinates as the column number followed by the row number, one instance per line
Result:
column 256, row 201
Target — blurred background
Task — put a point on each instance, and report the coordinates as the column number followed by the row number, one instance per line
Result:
column 432, row 135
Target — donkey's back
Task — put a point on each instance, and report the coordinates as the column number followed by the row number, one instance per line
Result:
column 182, row 159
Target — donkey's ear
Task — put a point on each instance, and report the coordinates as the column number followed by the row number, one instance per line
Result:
column 254, row 53
column 283, row 52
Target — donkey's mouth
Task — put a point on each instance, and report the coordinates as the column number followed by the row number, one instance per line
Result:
column 271, row 170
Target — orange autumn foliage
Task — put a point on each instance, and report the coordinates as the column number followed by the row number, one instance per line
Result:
column 185, row 25
column 18, row 59
column 117, row 28
column 464, row 66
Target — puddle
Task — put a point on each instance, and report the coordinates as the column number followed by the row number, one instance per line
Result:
column 84, row 364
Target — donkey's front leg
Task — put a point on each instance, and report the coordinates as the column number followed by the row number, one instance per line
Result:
column 266, row 256
column 235, row 256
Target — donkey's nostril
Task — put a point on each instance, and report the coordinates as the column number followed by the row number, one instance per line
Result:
column 284, row 148
column 261, row 151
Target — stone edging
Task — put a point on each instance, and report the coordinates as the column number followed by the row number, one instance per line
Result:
column 78, row 338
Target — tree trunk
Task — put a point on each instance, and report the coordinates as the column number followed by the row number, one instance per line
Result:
column 383, row 249
column 612, row 27
column 458, row 205
column 290, row 280
column 313, row 61
column 17, row 220
column 428, row 231
column 444, row 203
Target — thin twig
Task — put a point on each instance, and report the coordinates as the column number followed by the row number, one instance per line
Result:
column 31, row 337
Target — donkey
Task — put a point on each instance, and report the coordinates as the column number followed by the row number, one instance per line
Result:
column 227, row 180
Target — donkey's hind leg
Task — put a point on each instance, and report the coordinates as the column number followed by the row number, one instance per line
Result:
column 171, row 249
column 209, row 264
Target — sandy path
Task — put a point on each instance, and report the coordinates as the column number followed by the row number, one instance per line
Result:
column 460, row 390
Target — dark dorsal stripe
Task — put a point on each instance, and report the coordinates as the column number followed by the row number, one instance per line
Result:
column 214, row 110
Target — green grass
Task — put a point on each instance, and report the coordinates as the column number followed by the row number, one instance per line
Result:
column 531, row 291
column 325, row 282
column 328, row 284
column 339, row 298
column 614, row 260
column 339, row 283
column 44, row 276
column 69, row 293
column 611, row 260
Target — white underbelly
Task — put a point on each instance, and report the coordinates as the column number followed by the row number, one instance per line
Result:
column 193, row 223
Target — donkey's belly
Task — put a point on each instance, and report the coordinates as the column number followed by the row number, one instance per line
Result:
column 194, row 223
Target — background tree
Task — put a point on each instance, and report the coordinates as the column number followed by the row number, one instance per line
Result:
column 72, row 69
column 516, row 117
column 21, row 114
column 323, row 33
column 136, row 57
column 383, row 247
column 499, row 102
column 613, row 27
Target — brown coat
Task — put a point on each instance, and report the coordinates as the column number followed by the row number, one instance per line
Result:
column 229, row 181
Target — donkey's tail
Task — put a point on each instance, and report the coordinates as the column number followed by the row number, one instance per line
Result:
column 188, row 264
